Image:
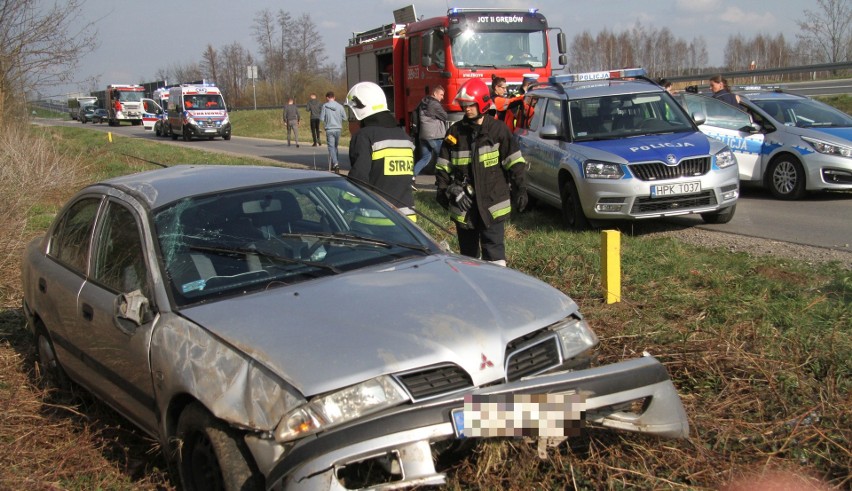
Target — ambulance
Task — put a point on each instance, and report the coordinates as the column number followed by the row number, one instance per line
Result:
column 197, row 111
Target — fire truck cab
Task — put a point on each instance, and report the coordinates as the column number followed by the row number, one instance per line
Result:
column 410, row 57
column 124, row 103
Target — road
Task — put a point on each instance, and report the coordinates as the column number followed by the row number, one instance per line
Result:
column 821, row 220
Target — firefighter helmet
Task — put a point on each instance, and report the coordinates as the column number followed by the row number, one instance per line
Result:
column 475, row 91
column 366, row 99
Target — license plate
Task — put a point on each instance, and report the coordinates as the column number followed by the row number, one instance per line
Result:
column 458, row 422
column 691, row 187
column 210, row 131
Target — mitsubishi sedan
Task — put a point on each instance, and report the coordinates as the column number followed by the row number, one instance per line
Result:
column 287, row 329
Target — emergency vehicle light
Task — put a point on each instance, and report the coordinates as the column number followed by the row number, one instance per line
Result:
column 590, row 76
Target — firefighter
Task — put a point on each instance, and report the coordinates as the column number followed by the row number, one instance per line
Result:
column 381, row 153
column 479, row 169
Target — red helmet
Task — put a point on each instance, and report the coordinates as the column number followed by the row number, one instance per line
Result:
column 474, row 91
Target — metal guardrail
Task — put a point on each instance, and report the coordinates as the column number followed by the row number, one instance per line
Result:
column 822, row 67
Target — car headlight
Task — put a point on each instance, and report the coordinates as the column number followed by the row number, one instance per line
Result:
column 603, row 170
column 576, row 336
column 336, row 408
column 725, row 158
column 829, row 148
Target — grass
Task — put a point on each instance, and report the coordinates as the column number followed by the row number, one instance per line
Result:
column 759, row 349
column 842, row 102
column 267, row 123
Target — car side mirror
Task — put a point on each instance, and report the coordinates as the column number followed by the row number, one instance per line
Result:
column 549, row 132
column 753, row 128
column 133, row 306
column 699, row 118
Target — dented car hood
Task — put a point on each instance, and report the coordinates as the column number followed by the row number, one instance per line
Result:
column 336, row 331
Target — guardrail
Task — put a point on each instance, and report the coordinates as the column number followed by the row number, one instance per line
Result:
column 822, row 67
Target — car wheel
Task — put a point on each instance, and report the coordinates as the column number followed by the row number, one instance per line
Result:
column 51, row 371
column 212, row 455
column 172, row 133
column 157, row 130
column 785, row 178
column 721, row 216
column 227, row 136
column 187, row 136
column 572, row 209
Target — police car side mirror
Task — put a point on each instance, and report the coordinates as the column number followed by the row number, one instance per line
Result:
column 753, row 128
column 549, row 132
column 699, row 118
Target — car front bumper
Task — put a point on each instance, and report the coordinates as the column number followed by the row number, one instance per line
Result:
column 404, row 435
column 827, row 172
column 202, row 131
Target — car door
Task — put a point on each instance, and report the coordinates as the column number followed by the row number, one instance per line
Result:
column 542, row 155
column 116, row 347
column 61, row 277
column 732, row 126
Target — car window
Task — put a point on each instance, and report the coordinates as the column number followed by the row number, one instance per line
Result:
column 119, row 262
column 626, row 115
column 804, row 113
column 716, row 112
column 71, row 239
column 553, row 115
column 530, row 118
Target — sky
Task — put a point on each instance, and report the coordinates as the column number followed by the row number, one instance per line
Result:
column 137, row 39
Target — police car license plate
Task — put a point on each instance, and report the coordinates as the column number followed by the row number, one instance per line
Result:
column 210, row 131
column 691, row 187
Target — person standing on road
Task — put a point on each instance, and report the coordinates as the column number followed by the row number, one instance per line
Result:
column 314, row 109
column 433, row 120
column 722, row 91
column 332, row 116
column 381, row 153
column 479, row 169
column 292, row 119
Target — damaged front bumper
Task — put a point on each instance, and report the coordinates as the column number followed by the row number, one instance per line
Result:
column 634, row 395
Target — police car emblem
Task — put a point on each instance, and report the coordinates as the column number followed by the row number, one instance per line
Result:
column 671, row 159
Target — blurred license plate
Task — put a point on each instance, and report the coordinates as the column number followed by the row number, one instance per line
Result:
column 676, row 188
column 210, row 131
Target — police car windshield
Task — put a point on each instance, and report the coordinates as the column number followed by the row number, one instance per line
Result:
column 499, row 49
column 622, row 116
column 804, row 113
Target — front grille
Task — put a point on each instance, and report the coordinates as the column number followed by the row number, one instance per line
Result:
column 435, row 381
column 673, row 203
column 530, row 359
column 657, row 171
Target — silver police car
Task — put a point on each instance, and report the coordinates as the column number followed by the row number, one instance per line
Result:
column 285, row 329
column 786, row 142
column 615, row 145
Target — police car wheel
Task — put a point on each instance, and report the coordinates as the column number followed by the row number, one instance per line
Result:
column 785, row 178
column 721, row 216
column 572, row 209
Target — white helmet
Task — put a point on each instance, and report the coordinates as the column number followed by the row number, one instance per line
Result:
column 366, row 99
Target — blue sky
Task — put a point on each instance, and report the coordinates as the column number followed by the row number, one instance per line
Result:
column 138, row 38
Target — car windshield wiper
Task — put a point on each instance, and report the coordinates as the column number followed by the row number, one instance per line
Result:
column 269, row 255
column 357, row 239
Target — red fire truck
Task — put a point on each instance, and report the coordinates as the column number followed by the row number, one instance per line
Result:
column 411, row 56
column 124, row 103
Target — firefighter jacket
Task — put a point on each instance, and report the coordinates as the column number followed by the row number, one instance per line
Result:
column 486, row 158
column 382, row 155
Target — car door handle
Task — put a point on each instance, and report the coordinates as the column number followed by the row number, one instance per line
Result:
column 88, row 312
column 42, row 285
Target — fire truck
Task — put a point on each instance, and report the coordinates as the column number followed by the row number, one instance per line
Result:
column 409, row 57
column 124, row 103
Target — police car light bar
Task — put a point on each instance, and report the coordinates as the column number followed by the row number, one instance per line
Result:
column 591, row 76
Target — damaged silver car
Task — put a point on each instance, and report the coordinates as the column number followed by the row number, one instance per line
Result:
column 280, row 329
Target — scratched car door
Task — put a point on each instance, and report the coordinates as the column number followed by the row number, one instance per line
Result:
column 117, row 347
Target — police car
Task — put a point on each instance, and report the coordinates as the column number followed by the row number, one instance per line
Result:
column 615, row 145
column 786, row 142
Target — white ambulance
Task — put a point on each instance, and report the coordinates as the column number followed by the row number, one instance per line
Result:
column 197, row 110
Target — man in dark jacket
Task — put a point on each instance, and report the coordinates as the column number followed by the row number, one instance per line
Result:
column 478, row 171
column 433, row 119
column 381, row 153
column 314, row 109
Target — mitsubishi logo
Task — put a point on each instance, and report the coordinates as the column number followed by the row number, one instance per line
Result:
column 486, row 363
column 671, row 159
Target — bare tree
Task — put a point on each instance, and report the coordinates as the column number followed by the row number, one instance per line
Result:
column 827, row 30
column 39, row 46
column 210, row 63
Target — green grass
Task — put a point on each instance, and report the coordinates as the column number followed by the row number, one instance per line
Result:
column 758, row 347
column 268, row 123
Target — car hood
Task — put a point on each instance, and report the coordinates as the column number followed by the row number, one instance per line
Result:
column 841, row 136
column 336, row 331
column 650, row 147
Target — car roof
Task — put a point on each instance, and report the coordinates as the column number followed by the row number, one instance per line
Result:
column 583, row 90
column 770, row 95
column 162, row 186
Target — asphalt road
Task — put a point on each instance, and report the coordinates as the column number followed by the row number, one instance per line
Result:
column 821, row 219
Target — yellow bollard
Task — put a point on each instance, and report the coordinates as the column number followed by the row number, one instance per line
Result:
column 611, row 265
column 109, row 136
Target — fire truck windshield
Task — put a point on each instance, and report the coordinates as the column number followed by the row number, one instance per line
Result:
column 499, row 49
column 126, row 96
